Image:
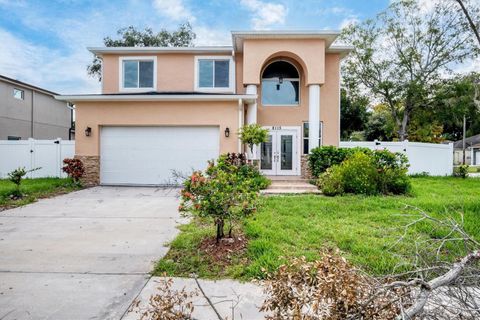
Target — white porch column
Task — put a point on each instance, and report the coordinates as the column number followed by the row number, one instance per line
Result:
column 252, row 107
column 252, row 117
column 313, row 116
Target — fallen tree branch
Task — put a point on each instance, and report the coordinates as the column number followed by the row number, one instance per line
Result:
column 443, row 280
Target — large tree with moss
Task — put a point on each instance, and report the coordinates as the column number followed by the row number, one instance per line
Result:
column 131, row 37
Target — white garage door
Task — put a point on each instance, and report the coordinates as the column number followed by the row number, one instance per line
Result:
column 148, row 155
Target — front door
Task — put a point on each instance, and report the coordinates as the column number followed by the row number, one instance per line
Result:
column 279, row 155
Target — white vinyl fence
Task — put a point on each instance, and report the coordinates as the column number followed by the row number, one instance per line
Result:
column 436, row 159
column 47, row 154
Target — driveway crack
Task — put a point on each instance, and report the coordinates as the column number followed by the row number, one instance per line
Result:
column 208, row 299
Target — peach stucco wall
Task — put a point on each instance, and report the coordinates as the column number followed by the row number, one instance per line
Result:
column 295, row 116
column 310, row 53
column 97, row 114
column 175, row 72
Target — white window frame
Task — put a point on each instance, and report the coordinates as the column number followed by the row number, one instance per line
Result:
column 22, row 96
column 231, row 75
column 320, row 139
column 137, row 58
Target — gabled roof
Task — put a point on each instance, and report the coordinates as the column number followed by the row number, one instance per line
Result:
column 27, row 86
column 470, row 141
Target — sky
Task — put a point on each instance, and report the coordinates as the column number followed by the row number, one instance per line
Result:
column 44, row 42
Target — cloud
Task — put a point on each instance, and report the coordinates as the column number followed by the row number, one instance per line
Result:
column 265, row 14
column 174, row 9
column 45, row 67
column 347, row 15
column 349, row 21
column 207, row 36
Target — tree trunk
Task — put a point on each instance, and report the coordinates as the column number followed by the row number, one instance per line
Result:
column 472, row 24
column 220, row 234
column 402, row 133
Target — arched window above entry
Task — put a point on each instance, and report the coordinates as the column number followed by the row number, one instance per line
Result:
column 280, row 84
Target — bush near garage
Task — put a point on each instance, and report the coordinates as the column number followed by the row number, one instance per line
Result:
column 368, row 173
column 74, row 169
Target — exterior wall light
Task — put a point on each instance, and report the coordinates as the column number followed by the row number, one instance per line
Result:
column 227, row 132
column 88, row 131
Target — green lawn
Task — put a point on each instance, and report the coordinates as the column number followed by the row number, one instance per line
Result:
column 363, row 228
column 33, row 189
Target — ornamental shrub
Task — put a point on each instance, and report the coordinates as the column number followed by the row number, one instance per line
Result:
column 359, row 174
column 253, row 134
column 461, row 171
column 331, row 181
column 73, row 168
column 16, row 176
column 367, row 172
column 221, row 194
column 244, row 170
column 322, row 158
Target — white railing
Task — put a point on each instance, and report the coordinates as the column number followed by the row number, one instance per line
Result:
column 435, row 159
column 31, row 153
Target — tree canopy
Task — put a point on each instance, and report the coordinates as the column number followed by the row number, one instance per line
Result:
column 131, row 37
column 403, row 52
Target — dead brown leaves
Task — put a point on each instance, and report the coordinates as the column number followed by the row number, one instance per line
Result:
column 326, row 289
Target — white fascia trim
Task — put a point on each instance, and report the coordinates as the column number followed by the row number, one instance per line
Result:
column 121, row 88
column 238, row 36
column 285, row 33
column 177, row 97
column 343, row 50
column 159, row 50
column 231, row 75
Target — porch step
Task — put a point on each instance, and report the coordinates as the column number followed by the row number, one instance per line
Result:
column 288, row 191
column 290, row 186
column 293, row 186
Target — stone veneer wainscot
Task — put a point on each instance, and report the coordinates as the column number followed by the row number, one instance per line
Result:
column 91, row 176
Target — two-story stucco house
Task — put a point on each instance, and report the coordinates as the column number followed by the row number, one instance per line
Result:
column 164, row 109
column 27, row 111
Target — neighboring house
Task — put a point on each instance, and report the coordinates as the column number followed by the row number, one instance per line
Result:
column 472, row 151
column 28, row 111
column 164, row 109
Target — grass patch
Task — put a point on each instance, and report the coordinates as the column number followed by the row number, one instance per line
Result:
column 34, row 189
column 362, row 227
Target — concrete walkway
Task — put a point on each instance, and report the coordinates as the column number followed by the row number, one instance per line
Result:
column 84, row 255
column 216, row 300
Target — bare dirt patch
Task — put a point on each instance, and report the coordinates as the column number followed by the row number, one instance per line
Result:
column 224, row 251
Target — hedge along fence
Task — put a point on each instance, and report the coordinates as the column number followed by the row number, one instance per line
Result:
column 434, row 159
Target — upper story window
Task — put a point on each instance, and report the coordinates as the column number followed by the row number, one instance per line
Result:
column 18, row 94
column 138, row 73
column 214, row 74
column 280, row 84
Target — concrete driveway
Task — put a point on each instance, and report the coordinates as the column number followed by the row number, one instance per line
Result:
column 84, row 255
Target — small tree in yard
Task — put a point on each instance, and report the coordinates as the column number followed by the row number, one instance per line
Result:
column 220, row 194
column 253, row 134
column 16, row 176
